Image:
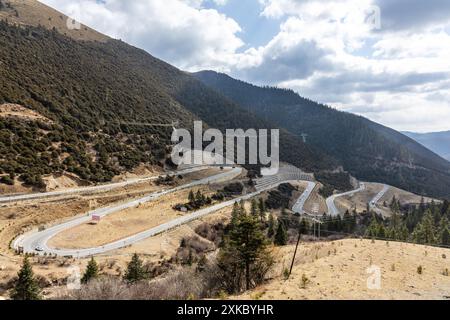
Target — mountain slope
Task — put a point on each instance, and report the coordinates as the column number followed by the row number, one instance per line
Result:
column 95, row 93
column 366, row 149
column 438, row 142
column 35, row 13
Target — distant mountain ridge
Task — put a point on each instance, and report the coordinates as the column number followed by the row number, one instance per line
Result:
column 366, row 149
column 439, row 142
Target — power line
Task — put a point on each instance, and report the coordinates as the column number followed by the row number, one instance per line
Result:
column 384, row 239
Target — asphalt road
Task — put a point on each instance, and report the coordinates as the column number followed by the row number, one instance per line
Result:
column 298, row 206
column 86, row 190
column 332, row 209
column 31, row 241
column 373, row 203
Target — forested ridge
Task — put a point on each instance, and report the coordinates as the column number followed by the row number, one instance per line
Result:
column 92, row 97
column 366, row 149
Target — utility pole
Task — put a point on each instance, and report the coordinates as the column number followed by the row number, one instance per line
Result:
column 295, row 252
column 315, row 211
column 319, row 231
column 314, row 221
column 314, row 229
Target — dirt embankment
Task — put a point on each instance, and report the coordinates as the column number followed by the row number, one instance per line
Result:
column 9, row 110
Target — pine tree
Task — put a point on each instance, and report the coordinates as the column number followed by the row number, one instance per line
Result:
column 445, row 237
column 191, row 198
column 26, row 287
column 381, row 231
column 244, row 247
column 254, row 208
column 281, row 236
column 445, row 207
column 444, row 231
column 395, row 220
column 198, row 199
column 422, row 206
column 91, row 271
column 243, row 206
column 235, row 213
column 425, row 231
column 271, row 229
column 262, row 210
column 373, row 229
column 135, row 270
column 349, row 222
column 403, row 233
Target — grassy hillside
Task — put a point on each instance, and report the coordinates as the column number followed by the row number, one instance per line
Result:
column 366, row 149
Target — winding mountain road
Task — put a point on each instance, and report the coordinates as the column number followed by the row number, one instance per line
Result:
column 29, row 242
column 298, row 206
column 86, row 190
column 332, row 209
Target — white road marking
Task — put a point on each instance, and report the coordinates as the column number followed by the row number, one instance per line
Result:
column 298, row 206
column 332, row 209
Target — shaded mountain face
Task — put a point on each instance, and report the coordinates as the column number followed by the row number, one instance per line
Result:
column 438, row 142
column 96, row 94
column 366, row 149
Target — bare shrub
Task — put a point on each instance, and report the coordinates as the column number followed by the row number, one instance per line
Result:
column 211, row 232
column 175, row 286
column 154, row 269
column 192, row 248
column 305, row 281
column 106, row 288
column 419, row 269
column 43, row 282
column 199, row 245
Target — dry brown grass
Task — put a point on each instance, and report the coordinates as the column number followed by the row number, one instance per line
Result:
column 34, row 13
column 338, row 270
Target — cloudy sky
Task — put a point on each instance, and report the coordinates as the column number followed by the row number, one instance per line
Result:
column 388, row 60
